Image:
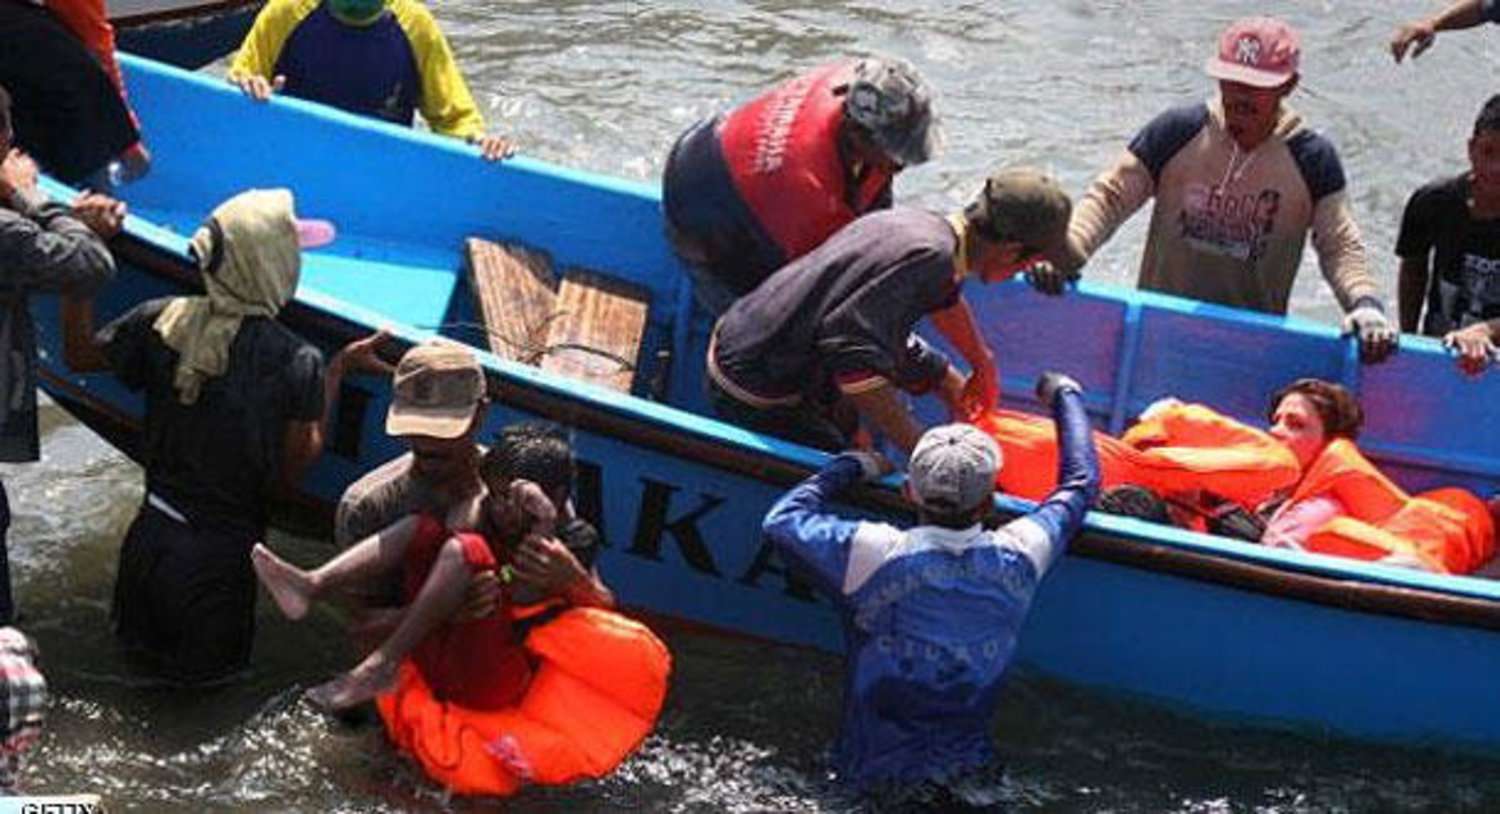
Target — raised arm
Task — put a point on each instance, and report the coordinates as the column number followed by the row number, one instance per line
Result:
column 1044, row 534
column 809, row 537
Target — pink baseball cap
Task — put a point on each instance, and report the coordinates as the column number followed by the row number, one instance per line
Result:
column 1259, row 51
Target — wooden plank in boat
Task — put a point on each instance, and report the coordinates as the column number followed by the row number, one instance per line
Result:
column 514, row 291
column 597, row 334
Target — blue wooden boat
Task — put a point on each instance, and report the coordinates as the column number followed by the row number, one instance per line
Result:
column 1224, row 629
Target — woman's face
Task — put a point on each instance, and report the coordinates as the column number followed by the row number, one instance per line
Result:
column 1296, row 424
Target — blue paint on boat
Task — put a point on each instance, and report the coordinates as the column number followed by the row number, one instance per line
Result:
column 1232, row 630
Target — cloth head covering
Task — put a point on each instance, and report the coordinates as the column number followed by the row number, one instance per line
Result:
column 250, row 259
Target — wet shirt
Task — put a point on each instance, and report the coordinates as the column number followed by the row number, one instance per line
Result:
column 931, row 615
column 1464, row 287
column 218, row 459
column 388, row 69
column 843, row 315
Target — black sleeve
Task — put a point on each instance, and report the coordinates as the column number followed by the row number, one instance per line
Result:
column 1319, row 163
column 304, row 383
column 125, row 342
column 1419, row 223
column 582, row 539
column 1166, row 134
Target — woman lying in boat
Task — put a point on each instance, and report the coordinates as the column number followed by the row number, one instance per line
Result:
column 549, row 687
column 1303, row 485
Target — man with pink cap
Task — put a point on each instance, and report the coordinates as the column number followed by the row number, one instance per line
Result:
column 1239, row 182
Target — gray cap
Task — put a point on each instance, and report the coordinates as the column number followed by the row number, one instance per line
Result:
column 953, row 468
column 891, row 101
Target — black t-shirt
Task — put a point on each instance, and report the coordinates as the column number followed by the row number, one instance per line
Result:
column 218, row 459
column 845, row 311
column 1465, row 254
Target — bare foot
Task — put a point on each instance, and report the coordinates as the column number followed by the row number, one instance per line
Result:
column 289, row 585
column 368, row 679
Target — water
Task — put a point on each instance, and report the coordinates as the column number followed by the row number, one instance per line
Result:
column 607, row 86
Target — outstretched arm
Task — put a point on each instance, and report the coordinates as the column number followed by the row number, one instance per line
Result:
column 1044, row 534
column 809, row 537
column 1418, row 35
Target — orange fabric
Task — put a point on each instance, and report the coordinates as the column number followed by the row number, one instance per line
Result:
column 1447, row 531
column 1182, row 448
column 595, row 695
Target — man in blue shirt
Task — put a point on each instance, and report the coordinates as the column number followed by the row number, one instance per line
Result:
column 931, row 613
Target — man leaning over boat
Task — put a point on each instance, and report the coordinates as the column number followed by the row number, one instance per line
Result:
column 386, row 59
column 932, row 613
column 745, row 193
column 826, row 343
column 1239, row 182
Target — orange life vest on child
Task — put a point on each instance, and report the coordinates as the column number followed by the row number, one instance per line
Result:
column 1448, row 531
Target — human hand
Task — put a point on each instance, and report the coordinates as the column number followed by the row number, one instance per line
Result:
column 546, row 564
column 872, row 465
column 17, row 173
column 481, row 597
column 1475, row 348
column 101, row 213
column 1377, row 338
column 256, row 86
column 494, row 148
column 135, row 162
column 1050, row 383
column 1049, row 279
column 363, row 355
column 533, row 503
column 981, row 391
column 1417, row 35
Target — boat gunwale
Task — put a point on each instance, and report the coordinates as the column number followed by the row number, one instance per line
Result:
column 1343, row 584
column 182, row 13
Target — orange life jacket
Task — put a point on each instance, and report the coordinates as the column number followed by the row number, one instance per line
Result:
column 595, row 694
column 1448, row 531
column 1181, row 448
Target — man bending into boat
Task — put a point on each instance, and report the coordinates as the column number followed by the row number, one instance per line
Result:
column 385, row 59
column 826, row 342
column 745, row 193
column 1239, row 183
column 931, row 613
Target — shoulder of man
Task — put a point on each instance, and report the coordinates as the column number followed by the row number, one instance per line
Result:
column 381, row 492
column 1164, row 136
column 417, row 21
column 1318, row 161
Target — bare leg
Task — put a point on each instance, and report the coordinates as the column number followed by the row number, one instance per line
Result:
column 369, row 559
column 441, row 596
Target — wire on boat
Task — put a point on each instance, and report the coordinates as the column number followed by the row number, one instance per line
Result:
column 531, row 353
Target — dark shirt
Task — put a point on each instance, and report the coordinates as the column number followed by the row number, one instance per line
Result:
column 218, row 459
column 844, row 313
column 1464, row 287
column 322, row 54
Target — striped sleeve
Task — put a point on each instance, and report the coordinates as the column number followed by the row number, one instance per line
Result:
column 273, row 26
column 446, row 103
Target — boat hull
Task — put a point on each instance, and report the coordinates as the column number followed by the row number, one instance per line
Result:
column 1233, row 631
